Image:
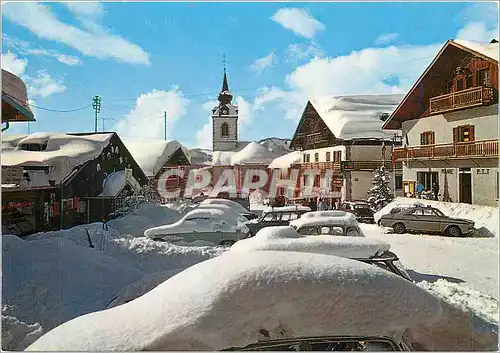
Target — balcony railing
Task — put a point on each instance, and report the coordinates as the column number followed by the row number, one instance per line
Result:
column 335, row 166
column 460, row 150
column 357, row 165
column 467, row 98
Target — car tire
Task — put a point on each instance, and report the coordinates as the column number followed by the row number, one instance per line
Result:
column 379, row 223
column 399, row 228
column 227, row 243
column 453, row 231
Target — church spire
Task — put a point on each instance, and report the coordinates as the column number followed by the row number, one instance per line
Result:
column 224, row 96
column 225, row 85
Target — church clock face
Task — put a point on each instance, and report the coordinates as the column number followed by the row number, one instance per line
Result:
column 224, row 111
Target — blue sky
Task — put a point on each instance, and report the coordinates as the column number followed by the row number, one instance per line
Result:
column 144, row 58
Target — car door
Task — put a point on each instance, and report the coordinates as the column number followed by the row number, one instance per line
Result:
column 426, row 221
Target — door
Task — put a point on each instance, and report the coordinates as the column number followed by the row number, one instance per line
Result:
column 465, row 185
column 427, row 221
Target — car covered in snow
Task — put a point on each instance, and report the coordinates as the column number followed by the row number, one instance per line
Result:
column 428, row 219
column 233, row 204
column 258, row 301
column 370, row 251
column 276, row 216
column 204, row 225
column 328, row 223
column 361, row 209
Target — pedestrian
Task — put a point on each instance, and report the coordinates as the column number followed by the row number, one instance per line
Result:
column 321, row 205
column 420, row 189
column 435, row 189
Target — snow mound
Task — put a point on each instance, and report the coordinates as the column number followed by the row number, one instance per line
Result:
column 253, row 153
column 287, row 239
column 350, row 117
column 318, row 295
column 16, row 334
column 116, row 181
column 286, row 161
column 488, row 49
column 485, row 217
column 152, row 155
column 53, row 280
column 63, row 152
column 318, row 218
column 467, row 299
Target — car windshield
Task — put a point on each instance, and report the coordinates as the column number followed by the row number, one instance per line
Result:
column 438, row 212
column 361, row 206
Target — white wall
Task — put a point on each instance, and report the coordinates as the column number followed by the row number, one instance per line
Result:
column 361, row 182
column 484, row 186
column 484, row 119
column 322, row 153
column 369, row 153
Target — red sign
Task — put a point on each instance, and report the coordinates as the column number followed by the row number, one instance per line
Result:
column 75, row 203
column 338, row 182
column 21, row 204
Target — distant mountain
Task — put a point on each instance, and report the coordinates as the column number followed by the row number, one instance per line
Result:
column 201, row 156
column 278, row 145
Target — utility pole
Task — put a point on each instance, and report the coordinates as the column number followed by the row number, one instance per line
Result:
column 165, row 124
column 29, row 128
column 103, row 120
column 97, row 109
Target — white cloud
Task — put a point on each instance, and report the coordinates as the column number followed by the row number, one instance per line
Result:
column 245, row 114
column 43, row 85
column 146, row 118
column 477, row 31
column 95, row 41
column 267, row 95
column 299, row 21
column 90, row 9
column 386, row 38
column 298, row 52
column 13, row 64
column 264, row 63
column 204, row 136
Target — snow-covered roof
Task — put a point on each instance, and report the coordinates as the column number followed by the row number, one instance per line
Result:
column 287, row 294
column 286, row 160
column 490, row 50
column 252, row 153
column 151, row 155
column 63, row 153
column 287, row 239
column 116, row 181
column 351, row 117
column 10, row 141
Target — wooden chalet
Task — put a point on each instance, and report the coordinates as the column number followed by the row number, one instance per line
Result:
column 15, row 106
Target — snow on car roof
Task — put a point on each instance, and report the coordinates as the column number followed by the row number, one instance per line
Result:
column 325, row 218
column 287, row 239
column 287, row 209
column 285, row 294
column 229, row 203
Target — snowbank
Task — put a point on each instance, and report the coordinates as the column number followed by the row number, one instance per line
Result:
column 287, row 239
column 151, row 155
column 318, row 295
column 325, row 218
column 116, row 181
column 63, row 152
column 16, row 334
column 286, row 161
column 252, row 153
column 488, row 49
column 469, row 300
column 485, row 217
column 351, row 117
column 51, row 281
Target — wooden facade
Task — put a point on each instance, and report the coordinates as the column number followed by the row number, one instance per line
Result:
column 312, row 131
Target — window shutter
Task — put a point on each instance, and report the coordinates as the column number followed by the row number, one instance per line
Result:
column 455, row 134
column 471, row 132
column 433, row 138
column 422, row 139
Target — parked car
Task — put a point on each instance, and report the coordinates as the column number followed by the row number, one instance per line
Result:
column 276, row 216
column 362, row 210
column 213, row 223
column 425, row 219
column 367, row 250
column 328, row 223
column 263, row 300
column 237, row 206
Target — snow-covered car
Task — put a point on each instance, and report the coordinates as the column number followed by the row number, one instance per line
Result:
column 277, row 216
column 370, row 251
column 236, row 301
column 231, row 212
column 233, row 204
column 426, row 219
column 328, row 223
column 205, row 223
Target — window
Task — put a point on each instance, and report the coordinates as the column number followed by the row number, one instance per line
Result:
column 225, row 130
column 33, row 146
column 464, row 133
column 496, row 187
column 316, row 157
column 427, row 179
column 423, row 212
column 460, row 84
column 271, row 217
column 469, row 82
column 304, row 158
column 399, row 182
column 337, row 155
column 308, row 158
column 285, row 217
column 427, row 138
column 328, row 156
column 255, row 178
column 296, row 216
column 483, row 78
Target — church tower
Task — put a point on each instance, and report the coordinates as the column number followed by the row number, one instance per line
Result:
column 225, row 121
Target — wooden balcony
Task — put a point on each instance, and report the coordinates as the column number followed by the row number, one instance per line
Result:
column 335, row 166
column 461, row 150
column 471, row 97
column 357, row 166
